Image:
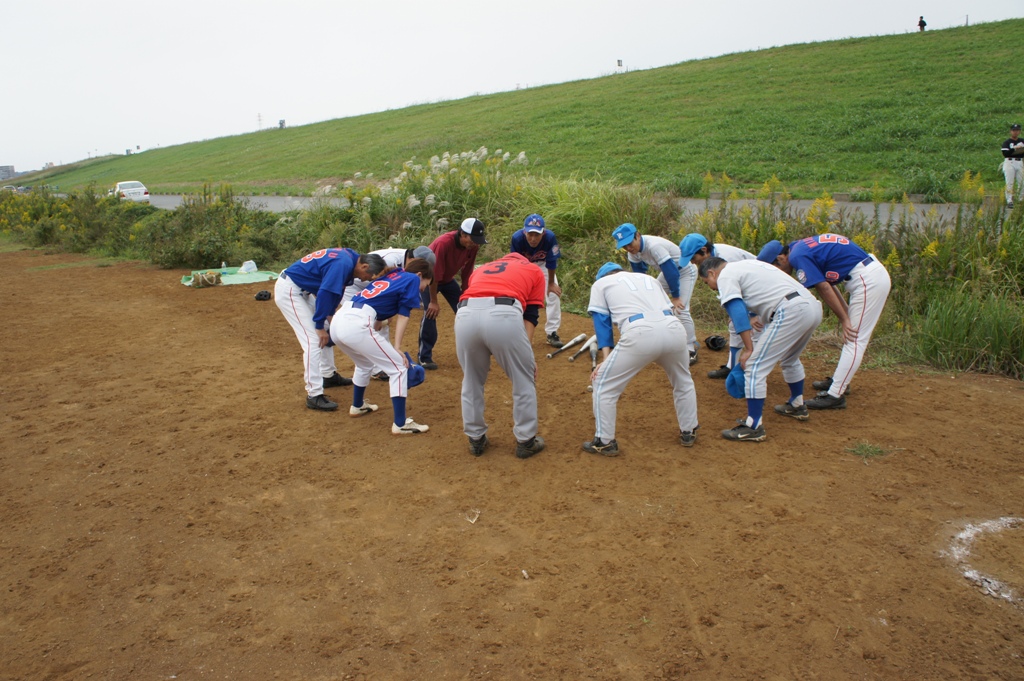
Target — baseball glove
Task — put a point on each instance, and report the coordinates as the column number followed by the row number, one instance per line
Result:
column 263, row 295
column 715, row 343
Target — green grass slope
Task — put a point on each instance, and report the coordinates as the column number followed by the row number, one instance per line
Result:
column 911, row 112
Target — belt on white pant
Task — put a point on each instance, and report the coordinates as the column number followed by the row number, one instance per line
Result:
column 863, row 263
column 644, row 315
column 497, row 300
column 361, row 312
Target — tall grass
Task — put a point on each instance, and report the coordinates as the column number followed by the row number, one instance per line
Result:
column 958, row 284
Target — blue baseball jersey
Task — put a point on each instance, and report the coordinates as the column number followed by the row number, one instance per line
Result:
column 396, row 293
column 325, row 274
column 826, row 257
column 547, row 250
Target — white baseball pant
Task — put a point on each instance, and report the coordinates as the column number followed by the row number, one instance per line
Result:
column 784, row 337
column 370, row 350
column 661, row 339
column 868, row 287
column 687, row 280
column 1013, row 171
column 298, row 308
column 552, row 304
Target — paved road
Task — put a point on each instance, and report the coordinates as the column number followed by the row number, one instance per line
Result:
column 280, row 204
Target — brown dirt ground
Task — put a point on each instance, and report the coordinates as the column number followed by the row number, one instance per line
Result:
column 172, row 510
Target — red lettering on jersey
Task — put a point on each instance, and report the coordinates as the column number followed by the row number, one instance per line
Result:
column 315, row 255
column 834, row 239
column 375, row 288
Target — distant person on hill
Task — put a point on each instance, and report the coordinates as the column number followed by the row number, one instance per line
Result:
column 1013, row 165
column 921, row 24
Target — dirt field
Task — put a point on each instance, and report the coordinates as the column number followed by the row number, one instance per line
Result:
column 173, row 511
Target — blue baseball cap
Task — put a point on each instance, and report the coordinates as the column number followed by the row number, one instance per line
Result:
column 607, row 268
column 624, row 234
column 417, row 374
column 734, row 382
column 771, row 250
column 690, row 244
column 534, row 223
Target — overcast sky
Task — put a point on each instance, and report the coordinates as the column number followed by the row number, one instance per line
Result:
column 81, row 78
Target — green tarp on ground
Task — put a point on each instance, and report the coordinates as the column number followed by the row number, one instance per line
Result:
column 231, row 275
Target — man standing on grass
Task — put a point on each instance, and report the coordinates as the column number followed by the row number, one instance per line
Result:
column 1013, row 165
column 540, row 246
column 455, row 253
column 822, row 262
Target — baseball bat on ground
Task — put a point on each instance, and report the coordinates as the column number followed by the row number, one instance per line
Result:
column 593, row 354
column 574, row 342
column 584, row 348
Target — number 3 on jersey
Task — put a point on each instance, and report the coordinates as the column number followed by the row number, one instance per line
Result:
column 375, row 288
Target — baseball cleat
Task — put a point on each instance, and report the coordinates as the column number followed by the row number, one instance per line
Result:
column 595, row 446
column 824, row 384
column 745, row 433
column 826, row 401
column 381, row 376
column 787, row 409
column 429, row 365
column 524, row 450
column 693, row 358
column 721, row 372
column 321, row 403
column 336, row 380
column 688, row 437
column 410, row 428
column 478, row 446
column 554, row 341
column 367, row 408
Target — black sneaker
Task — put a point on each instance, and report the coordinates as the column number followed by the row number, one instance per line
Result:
column 688, row 437
column 321, row 403
column 595, row 446
column 745, row 433
column 336, row 380
column 824, row 384
column 524, row 450
column 693, row 358
column 554, row 341
column 478, row 446
column 721, row 372
column 429, row 365
column 826, row 401
column 381, row 376
column 787, row 409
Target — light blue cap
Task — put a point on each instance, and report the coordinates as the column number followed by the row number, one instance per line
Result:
column 607, row 268
column 690, row 244
column 771, row 250
column 624, row 234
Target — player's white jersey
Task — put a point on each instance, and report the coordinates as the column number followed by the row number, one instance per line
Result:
column 731, row 253
column 761, row 286
column 624, row 294
column 394, row 257
column 655, row 251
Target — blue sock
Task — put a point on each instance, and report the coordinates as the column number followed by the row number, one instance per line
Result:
column 755, row 408
column 358, row 395
column 398, row 404
column 796, row 393
column 733, row 353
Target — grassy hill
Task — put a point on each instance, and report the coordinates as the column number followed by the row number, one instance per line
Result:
column 911, row 112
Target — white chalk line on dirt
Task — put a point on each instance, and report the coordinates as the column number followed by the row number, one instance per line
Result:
column 960, row 551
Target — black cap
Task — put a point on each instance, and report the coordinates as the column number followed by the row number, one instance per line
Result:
column 1015, row 126
column 475, row 229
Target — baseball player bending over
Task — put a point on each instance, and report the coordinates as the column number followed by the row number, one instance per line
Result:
column 540, row 246
column 644, row 251
column 648, row 332
column 308, row 293
column 354, row 331
column 792, row 315
column 496, row 316
column 822, row 262
column 694, row 248
column 456, row 252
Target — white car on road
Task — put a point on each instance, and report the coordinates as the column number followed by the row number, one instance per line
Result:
column 131, row 191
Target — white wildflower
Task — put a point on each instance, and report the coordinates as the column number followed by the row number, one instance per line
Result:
column 428, row 183
column 406, row 225
column 429, row 199
column 466, row 185
column 357, row 175
column 412, row 201
column 434, row 160
column 349, row 183
column 443, row 204
column 366, row 201
column 442, row 222
column 433, row 212
column 505, row 157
